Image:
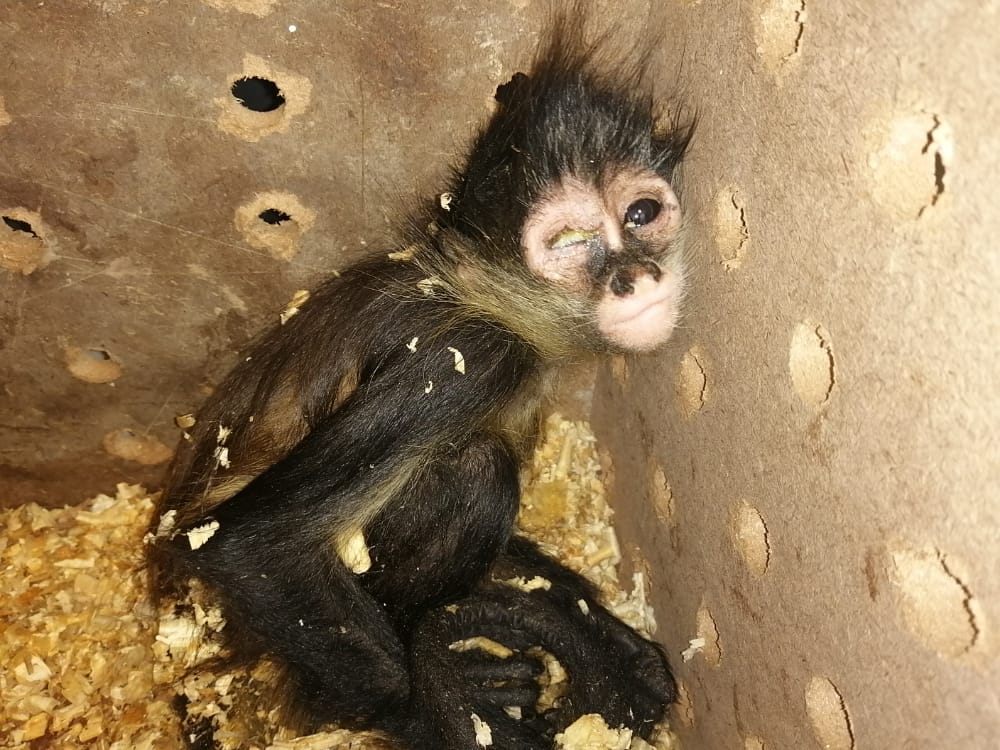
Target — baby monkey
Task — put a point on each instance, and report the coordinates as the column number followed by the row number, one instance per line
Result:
column 353, row 482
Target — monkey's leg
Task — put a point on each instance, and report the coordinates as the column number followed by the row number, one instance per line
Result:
column 437, row 540
column 347, row 665
column 434, row 544
column 273, row 561
column 297, row 602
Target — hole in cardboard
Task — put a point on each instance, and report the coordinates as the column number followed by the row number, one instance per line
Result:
column 23, row 244
column 275, row 222
column 754, row 743
column 131, row 446
column 779, row 31
column 709, row 633
column 936, row 604
column 692, row 383
column 811, row 364
column 258, row 94
column 18, row 225
column 749, row 535
column 262, row 100
column 732, row 236
column 662, row 495
column 938, row 177
column 909, row 160
column 273, row 216
column 939, row 145
column 93, row 365
column 684, row 708
column 828, row 715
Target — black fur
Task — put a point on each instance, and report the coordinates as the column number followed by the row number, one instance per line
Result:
column 357, row 398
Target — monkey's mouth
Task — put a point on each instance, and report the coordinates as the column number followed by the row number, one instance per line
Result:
column 639, row 311
column 642, row 322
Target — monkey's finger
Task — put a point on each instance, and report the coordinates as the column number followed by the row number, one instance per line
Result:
column 513, row 668
column 510, row 695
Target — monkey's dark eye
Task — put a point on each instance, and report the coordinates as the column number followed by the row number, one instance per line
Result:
column 641, row 212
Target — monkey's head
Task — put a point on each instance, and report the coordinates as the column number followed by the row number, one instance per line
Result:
column 568, row 194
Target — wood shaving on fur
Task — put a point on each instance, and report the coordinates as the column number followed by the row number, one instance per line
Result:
column 90, row 661
column 590, row 732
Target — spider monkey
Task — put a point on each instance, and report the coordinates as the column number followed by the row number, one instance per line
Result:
column 357, row 473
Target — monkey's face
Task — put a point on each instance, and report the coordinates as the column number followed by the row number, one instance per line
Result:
column 614, row 241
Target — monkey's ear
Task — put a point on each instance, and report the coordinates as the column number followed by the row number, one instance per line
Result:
column 508, row 92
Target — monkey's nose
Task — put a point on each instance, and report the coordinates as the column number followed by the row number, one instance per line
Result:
column 624, row 278
column 651, row 269
column 623, row 282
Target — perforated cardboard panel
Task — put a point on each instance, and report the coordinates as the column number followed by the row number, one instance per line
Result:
column 172, row 172
column 808, row 474
column 817, row 490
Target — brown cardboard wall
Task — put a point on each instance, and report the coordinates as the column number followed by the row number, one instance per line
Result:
column 816, row 488
column 153, row 224
column 818, row 496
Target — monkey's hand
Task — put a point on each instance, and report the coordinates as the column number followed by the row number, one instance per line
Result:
column 470, row 691
column 612, row 670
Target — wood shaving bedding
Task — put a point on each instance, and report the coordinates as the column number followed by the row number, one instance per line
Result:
column 89, row 663
column 77, row 640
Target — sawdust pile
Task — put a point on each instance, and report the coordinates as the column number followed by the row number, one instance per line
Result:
column 77, row 630
column 88, row 661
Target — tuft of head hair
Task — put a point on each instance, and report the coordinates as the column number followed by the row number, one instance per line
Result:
column 585, row 107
